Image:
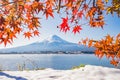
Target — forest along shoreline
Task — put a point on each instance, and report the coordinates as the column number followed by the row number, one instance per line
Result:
column 52, row 52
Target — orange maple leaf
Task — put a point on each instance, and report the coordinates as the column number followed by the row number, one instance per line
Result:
column 28, row 15
column 12, row 35
column 49, row 12
column 101, row 54
column 30, row 26
column 40, row 7
column 69, row 3
column 118, row 54
column 49, row 3
column 18, row 30
column 28, row 35
column 90, row 43
column 84, row 42
column 114, row 62
column 118, row 36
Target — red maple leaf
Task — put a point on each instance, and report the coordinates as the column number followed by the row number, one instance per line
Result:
column 74, row 12
column 76, row 29
column 64, row 25
column 5, row 41
column 80, row 14
column 36, row 33
column 85, row 7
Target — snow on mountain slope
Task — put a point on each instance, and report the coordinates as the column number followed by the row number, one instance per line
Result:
column 55, row 38
column 52, row 43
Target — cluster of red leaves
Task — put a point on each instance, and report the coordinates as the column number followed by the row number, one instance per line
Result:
column 18, row 16
column 64, row 25
column 109, row 47
column 76, row 29
column 76, row 14
column 79, row 9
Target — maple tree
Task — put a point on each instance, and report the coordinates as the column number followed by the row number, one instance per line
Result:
column 21, row 16
column 109, row 47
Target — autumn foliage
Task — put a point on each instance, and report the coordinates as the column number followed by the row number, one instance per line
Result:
column 109, row 47
column 22, row 16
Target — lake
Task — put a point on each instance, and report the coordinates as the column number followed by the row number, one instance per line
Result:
column 55, row 61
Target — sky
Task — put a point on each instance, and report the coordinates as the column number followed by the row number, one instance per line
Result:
column 49, row 27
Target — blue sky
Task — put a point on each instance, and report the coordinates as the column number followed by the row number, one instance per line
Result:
column 49, row 27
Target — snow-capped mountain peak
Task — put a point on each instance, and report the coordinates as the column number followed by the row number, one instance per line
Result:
column 52, row 43
column 55, row 38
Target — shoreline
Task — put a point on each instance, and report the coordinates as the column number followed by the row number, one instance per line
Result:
column 51, row 52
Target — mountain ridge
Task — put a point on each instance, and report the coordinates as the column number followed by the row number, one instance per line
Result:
column 52, row 43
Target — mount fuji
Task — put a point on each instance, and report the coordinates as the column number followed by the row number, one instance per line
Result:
column 52, row 43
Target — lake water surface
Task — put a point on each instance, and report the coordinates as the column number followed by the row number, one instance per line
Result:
column 55, row 61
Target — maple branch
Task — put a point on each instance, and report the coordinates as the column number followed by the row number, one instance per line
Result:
column 6, row 4
column 85, row 23
column 89, row 2
column 93, row 3
column 59, row 5
column 10, row 3
column 80, row 4
column 1, row 10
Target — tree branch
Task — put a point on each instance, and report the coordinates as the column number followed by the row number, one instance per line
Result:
column 59, row 5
